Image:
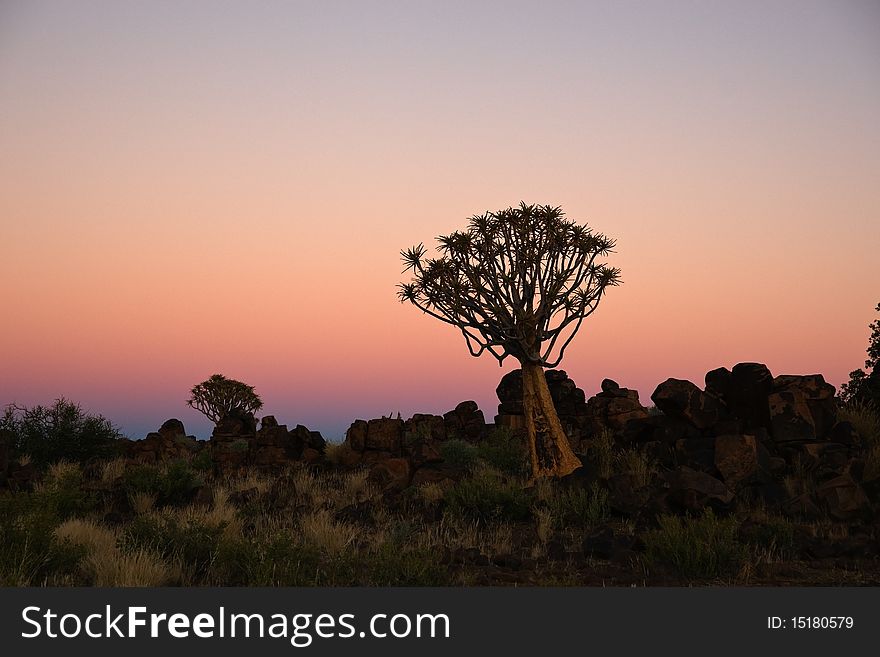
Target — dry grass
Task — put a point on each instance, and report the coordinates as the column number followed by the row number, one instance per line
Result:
column 112, row 470
column 336, row 453
column 105, row 565
column 865, row 419
column 431, row 493
column 543, row 524
column 601, row 449
column 87, row 533
column 142, row 503
column 320, row 530
column 140, row 568
column 637, row 465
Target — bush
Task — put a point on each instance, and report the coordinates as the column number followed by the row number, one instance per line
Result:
column 29, row 553
column 488, row 495
column 173, row 486
column 865, row 418
column 772, row 533
column 458, row 453
column 62, row 431
column 703, row 547
column 506, row 451
column 581, row 506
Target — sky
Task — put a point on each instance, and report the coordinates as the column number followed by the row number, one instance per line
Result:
column 224, row 187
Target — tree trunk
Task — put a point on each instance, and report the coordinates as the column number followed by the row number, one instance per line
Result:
column 550, row 451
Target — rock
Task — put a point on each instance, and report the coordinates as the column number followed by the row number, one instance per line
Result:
column 682, row 399
column 613, row 411
column 440, row 473
column 736, row 458
column 356, row 436
column 790, row 417
column 268, row 421
column 698, row 453
column 236, row 423
column 172, row 430
column 718, row 382
column 843, row 497
column 611, row 388
column 310, row 455
column 385, row 434
column 421, row 436
column 748, row 389
column 813, row 392
column 802, row 506
column 169, row 443
column 391, row 475
column 693, row 490
column 465, row 421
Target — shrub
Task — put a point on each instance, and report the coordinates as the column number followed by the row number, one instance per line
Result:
column 601, row 452
column 172, row 485
column 696, row 547
column 865, row 418
column 581, row 506
column 773, row 533
column 29, row 553
column 62, row 431
column 505, row 451
column 637, row 465
column 486, row 494
column 458, row 453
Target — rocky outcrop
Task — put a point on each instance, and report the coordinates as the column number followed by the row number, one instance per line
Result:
column 684, row 400
column 168, row 443
column 611, row 409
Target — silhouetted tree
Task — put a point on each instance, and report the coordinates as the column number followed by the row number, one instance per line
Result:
column 62, row 431
column 517, row 282
column 219, row 396
column 864, row 386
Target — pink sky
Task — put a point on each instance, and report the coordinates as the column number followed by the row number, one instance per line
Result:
column 186, row 191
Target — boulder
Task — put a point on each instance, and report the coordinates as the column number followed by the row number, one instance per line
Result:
column 790, row 417
column 172, row 429
column 736, row 458
column 422, row 435
column 718, row 382
column 748, row 389
column 384, row 434
column 843, row 497
column 235, row 424
column 812, row 392
column 356, row 436
column 465, row 421
column 682, row 399
column 692, row 490
column 612, row 409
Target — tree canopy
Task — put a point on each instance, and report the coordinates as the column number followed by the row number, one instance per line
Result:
column 516, row 282
column 218, row 396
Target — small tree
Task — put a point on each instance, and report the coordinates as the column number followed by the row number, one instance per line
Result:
column 517, row 282
column 219, row 396
column 62, row 431
column 864, row 386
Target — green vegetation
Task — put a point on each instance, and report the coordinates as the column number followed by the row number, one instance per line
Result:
column 696, row 548
column 62, row 431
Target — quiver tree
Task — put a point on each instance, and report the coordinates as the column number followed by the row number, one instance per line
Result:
column 518, row 282
column 219, row 396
